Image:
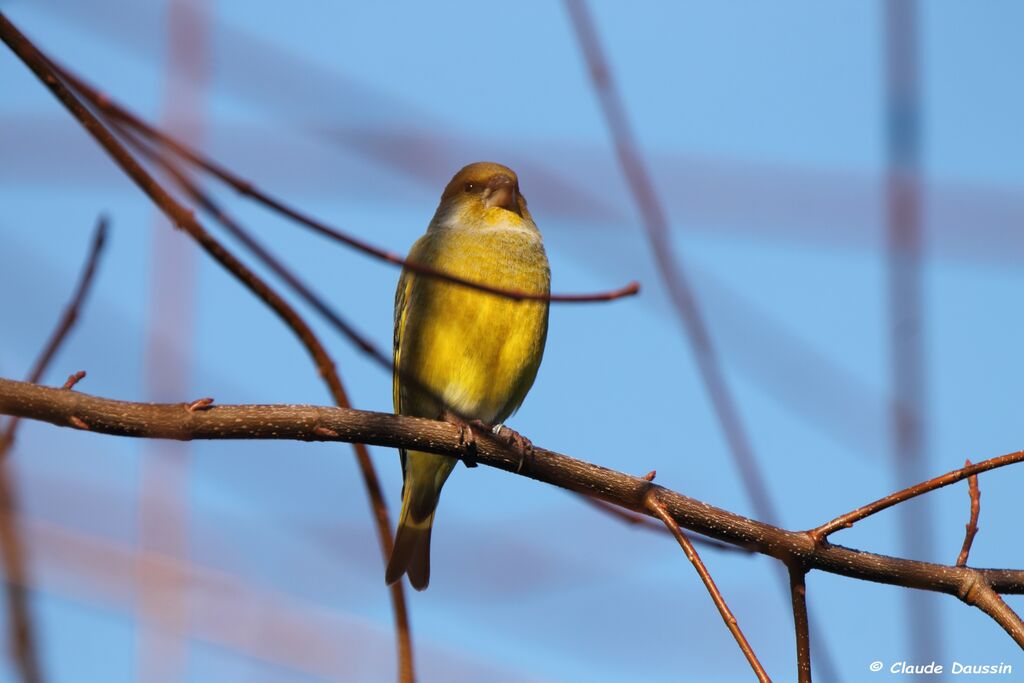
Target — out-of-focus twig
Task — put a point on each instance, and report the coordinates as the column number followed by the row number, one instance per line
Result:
column 673, row 273
column 248, row 189
column 22, row 629
column 161, row 646
column 206, row 202
column 972, row 523
column 908, row 335
column 184, row 219
column 659, row 511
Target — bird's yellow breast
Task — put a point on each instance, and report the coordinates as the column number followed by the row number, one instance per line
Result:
column 477, row 351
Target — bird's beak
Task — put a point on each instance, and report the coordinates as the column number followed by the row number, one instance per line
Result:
column 501, row 192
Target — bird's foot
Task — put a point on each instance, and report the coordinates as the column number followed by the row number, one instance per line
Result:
column 517, row 442
column 467, row 438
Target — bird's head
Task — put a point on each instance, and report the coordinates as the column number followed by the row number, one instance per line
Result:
column 484, row 194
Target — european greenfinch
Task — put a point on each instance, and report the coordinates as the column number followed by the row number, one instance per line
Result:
column 462, row 354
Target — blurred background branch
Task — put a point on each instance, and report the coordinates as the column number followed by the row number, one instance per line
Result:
column 677, row 283
column 22, row 636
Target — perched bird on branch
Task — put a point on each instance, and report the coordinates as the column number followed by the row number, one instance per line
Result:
column 462, row 354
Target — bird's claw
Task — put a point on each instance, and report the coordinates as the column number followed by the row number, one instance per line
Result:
column 510, row 438
column 467, row 438
column 517, row 442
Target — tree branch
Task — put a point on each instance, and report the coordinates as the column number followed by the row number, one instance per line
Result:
column 972, row 523
column 850, row 518
column 981, row 594
column 204, row 201
column 248, row 189
column 658, row 510
column 801, row 625
column 316, row 423
column 184, row 219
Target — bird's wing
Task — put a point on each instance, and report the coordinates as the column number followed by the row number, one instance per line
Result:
column 402, row 296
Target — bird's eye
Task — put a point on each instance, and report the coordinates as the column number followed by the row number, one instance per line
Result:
column 473, row 187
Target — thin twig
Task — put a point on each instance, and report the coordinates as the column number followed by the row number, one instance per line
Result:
column 64, row 324
column 847, row 520
column 691, row 554
column 246, row 188
column 972, row 524
column 21, row 626
column 184, row 219
column 798, row 594
column 317, row 423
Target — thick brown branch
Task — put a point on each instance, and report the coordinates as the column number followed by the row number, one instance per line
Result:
column 658, row 510
column 972, row 523
column 315, row 423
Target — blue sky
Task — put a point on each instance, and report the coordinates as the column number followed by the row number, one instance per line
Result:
column 763, row 127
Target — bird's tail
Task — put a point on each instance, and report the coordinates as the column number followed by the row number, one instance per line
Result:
column 411, row 554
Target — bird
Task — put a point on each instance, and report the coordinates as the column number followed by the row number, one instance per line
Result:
column 461, row 354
